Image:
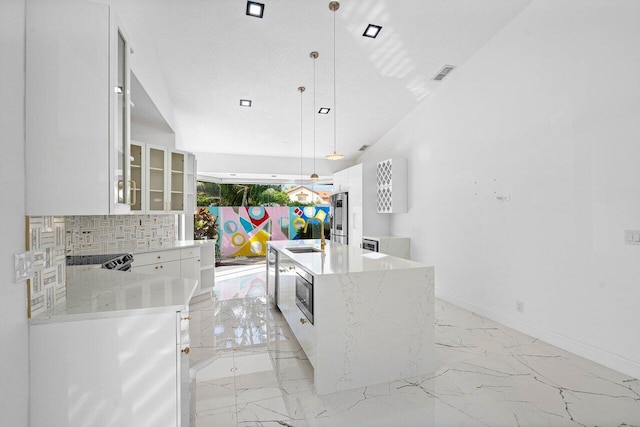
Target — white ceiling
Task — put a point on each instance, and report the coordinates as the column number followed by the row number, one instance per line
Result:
column 211, row 55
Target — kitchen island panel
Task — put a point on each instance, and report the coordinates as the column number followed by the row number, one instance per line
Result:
column 373, row 328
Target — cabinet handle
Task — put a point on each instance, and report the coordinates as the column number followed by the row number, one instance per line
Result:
column 162, row 266
column 156, row 267
column 134, row 190
column 186, row 318
column 303, row 320
column 158, row 256
column 186, row 350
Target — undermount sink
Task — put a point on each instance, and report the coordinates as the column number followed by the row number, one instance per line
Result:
column 302, row 249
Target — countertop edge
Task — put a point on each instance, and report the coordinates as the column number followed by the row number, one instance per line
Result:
column 63, row 318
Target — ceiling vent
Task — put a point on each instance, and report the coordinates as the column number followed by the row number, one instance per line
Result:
column 364, row 147
column 443, row 73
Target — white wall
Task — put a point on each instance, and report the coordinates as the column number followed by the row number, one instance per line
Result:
column 547, row 112
column 14, row 350
column 151, row 135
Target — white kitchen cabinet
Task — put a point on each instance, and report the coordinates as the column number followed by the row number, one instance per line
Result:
column 341, row 181
column 77, row 109
column 190, row 263
column 113, row 371
column 207, row 265
column 391, row 181
column 156, row 179
column 170, row 181
column 350, row 180
column 184, row 263
column 301, row 327
column 165, row 180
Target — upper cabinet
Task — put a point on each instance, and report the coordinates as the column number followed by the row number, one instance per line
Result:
column 164, row 179
column 77, row 110
column 391, row 180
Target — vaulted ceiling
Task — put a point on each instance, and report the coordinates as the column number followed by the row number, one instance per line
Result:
column 211, row 55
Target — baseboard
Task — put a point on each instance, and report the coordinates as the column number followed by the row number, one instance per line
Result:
column 610, row 360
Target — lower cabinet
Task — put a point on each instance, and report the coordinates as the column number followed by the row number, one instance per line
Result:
column 184, row 263
column 116, row 371
column 196, row 262
column 303, row 330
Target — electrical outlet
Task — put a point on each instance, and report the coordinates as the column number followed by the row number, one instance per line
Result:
column 632, row 237
column 520, row 306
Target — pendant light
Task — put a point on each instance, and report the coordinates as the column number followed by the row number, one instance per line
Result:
column 314, row 56
column 301, row 89
column 334, row 5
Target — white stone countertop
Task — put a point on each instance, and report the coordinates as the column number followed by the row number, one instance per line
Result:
column 99, row 293
column 341, row 259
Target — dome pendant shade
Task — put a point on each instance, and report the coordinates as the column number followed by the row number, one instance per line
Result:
column 334, row 156
column 314, row 177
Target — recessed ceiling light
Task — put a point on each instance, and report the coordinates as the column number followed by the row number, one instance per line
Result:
column 372, row 31
column 324, row 110
column 255, row 9
column 245, row 103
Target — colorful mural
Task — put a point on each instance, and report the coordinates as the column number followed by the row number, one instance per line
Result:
column 245, row 230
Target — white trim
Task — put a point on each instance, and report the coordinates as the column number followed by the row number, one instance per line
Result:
column 610, row 360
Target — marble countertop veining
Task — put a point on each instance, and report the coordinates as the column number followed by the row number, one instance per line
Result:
column 99, row 293
column 341, row 259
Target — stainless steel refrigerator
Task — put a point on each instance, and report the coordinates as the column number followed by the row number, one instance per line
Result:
column 339, row 218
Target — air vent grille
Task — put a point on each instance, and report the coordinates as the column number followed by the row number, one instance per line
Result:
column 443, row 73
column 364, row 147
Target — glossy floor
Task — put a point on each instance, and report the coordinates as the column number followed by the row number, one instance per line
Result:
column 250, row 371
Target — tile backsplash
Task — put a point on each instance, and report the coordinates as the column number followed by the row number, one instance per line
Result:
column 87, row 235
column 46, row 239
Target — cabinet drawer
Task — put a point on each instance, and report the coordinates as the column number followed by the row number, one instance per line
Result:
column 170, row 268
column 156, row 257
column 189, row 252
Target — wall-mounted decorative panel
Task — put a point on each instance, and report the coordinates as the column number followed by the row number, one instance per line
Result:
column 87, row 235
column 391, row 180
column 46, row 239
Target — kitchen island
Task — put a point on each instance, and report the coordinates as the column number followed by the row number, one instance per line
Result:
column 372, row 314
column 114, row 353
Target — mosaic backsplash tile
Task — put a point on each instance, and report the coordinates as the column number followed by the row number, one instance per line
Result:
column 86, row 235
column 46, row 238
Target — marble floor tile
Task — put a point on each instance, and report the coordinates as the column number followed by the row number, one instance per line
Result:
column 249, row 370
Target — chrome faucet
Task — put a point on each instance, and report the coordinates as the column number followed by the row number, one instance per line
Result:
column 322, row 241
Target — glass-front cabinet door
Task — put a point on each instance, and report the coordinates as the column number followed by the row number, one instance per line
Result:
column 177, row 181
column 121, row 105
column 156, row 184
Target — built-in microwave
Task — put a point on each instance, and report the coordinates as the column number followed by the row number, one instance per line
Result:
column 370, row 244
column 304, row 293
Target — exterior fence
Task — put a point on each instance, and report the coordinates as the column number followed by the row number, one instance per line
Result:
column 245, row 230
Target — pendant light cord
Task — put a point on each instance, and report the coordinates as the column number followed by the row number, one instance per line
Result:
column 314, row 115
column 301, row 90
column 334, row 83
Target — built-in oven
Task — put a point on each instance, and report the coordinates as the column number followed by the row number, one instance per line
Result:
column 304, row 293
column 370, row 244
